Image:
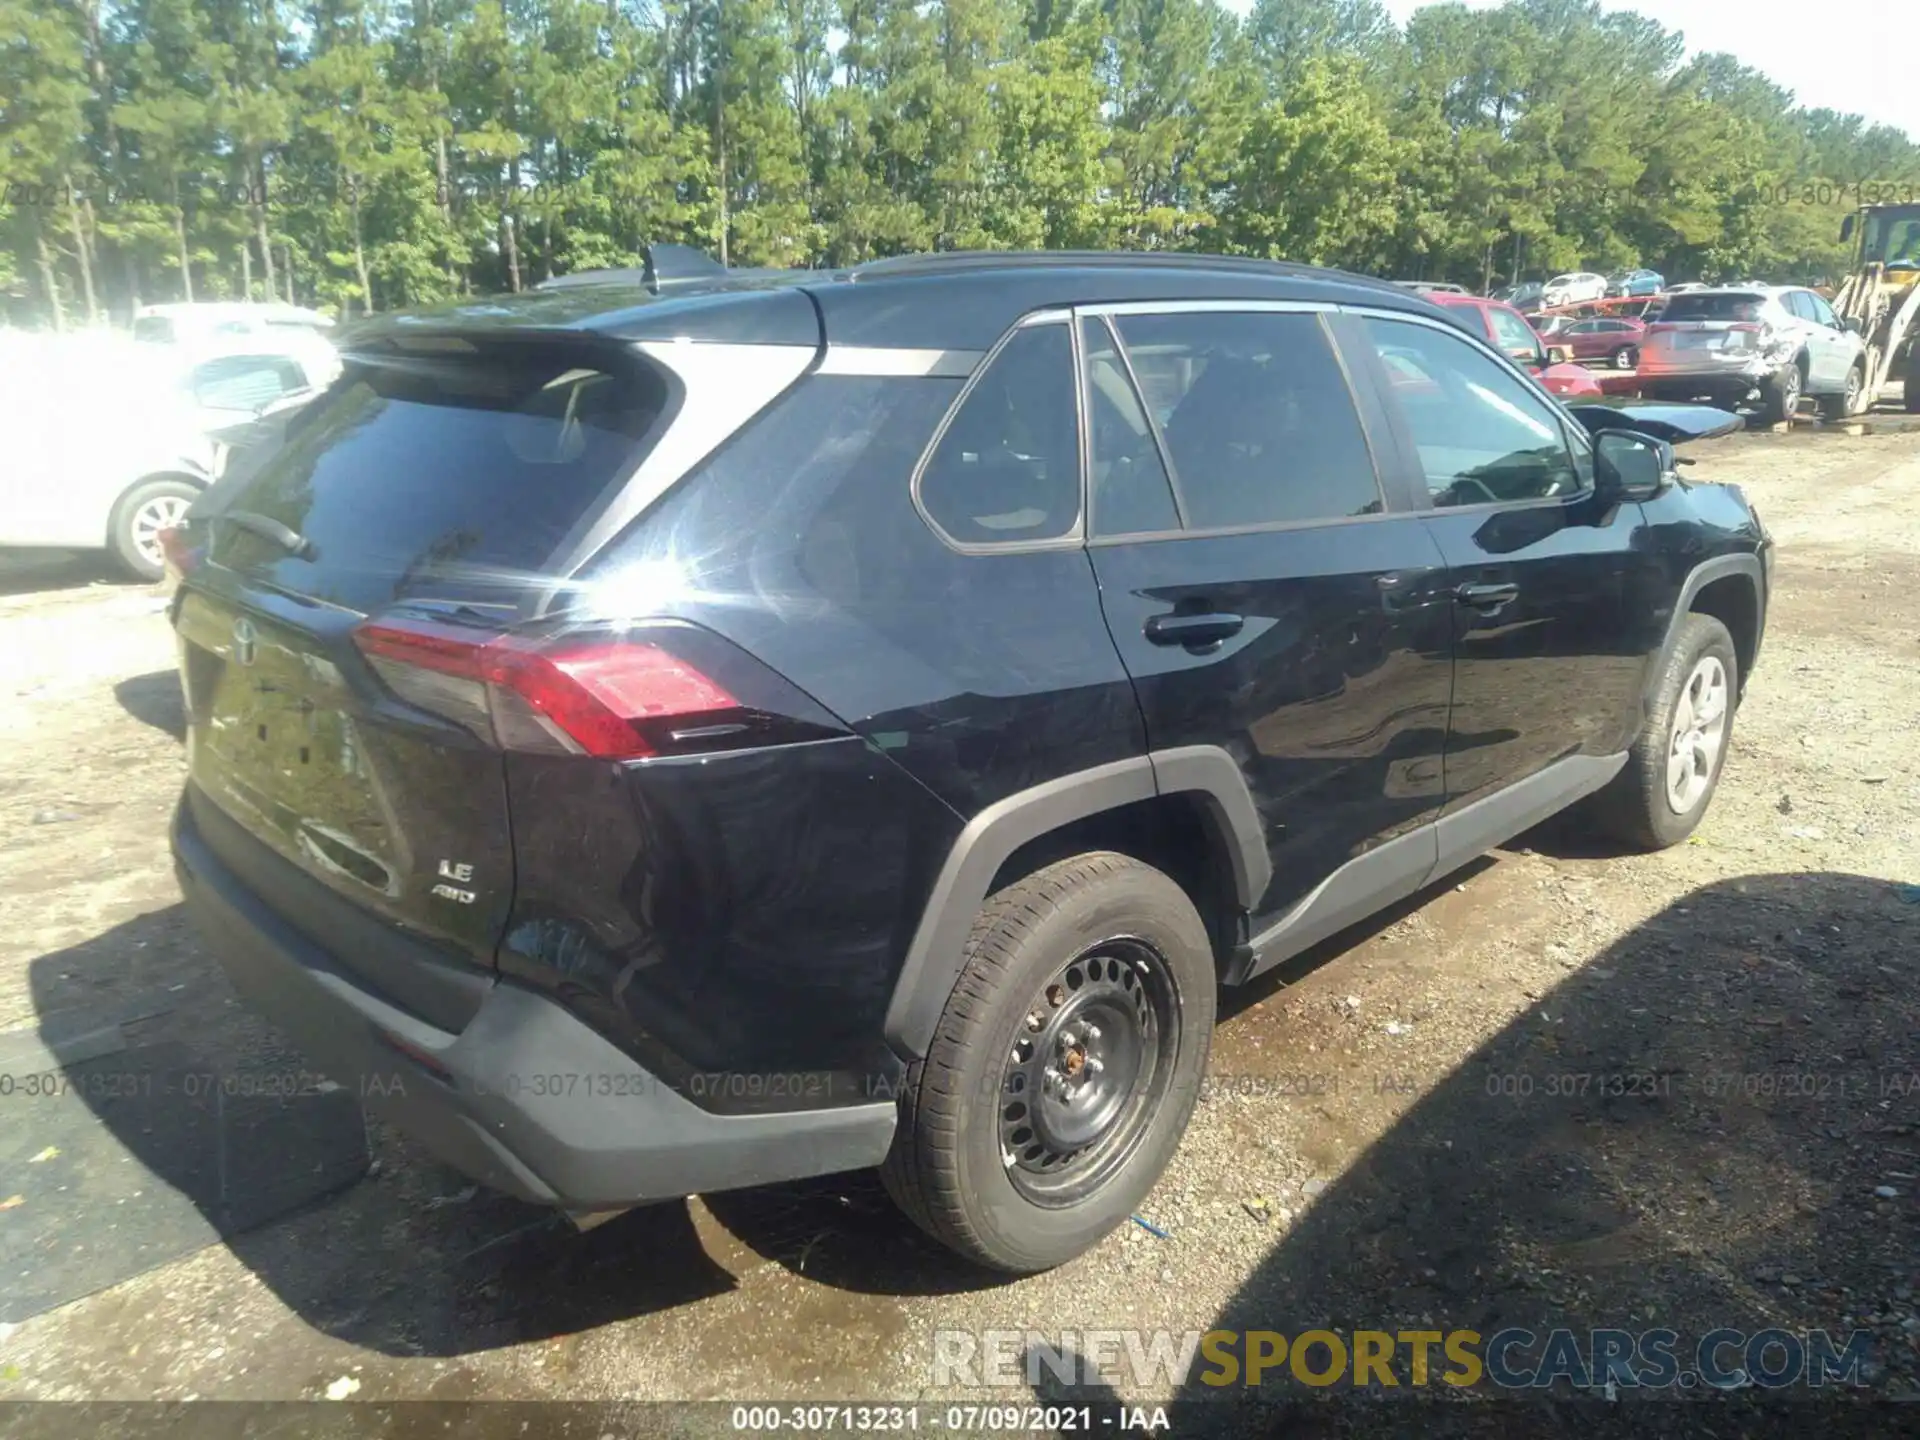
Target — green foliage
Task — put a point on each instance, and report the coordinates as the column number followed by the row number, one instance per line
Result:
column 375, row 153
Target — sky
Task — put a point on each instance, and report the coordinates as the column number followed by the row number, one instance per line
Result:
column 1796, row 45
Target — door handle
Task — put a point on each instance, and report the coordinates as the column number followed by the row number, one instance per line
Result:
column 1192, row 629
column 1487, row 596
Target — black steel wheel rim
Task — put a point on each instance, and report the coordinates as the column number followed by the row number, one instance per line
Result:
column 1087, row 1070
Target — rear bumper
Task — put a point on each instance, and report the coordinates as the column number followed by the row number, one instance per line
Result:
column 1686, row 379
column 526, row 1098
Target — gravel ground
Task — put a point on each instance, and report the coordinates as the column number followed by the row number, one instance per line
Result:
column 1397, row 1134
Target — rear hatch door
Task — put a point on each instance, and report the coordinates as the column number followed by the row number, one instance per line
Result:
column 432, row 484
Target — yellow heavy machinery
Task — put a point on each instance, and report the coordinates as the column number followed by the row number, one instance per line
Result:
column 1881, row 298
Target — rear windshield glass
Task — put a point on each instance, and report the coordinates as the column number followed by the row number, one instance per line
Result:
column 1713, row 307
column 444, row 473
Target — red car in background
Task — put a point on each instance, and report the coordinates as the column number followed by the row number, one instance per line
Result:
column 1510, row 333
column 1614, row 339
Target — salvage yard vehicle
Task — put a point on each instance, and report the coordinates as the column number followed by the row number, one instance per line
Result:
column 1510, row 333
column 110, row 439
column 1880, row 300
column 659, row 741
column 1573, row 288
column 1616, row 340
column 1631, row 283
column 1774, row 342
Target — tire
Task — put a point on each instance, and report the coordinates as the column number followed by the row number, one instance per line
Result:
column 1624, row 357
column 1912, row 387
column 1640, row 808
column 1099, row 935
column 140, row 513
column 1780, row 394
column 1846, row 404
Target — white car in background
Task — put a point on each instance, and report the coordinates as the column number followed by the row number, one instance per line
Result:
column 213, row 319
column 1574, row 288
column 110, row 439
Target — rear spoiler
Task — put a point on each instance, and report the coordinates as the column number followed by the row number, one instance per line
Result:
column 667, row 267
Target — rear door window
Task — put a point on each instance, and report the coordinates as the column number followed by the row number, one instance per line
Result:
column 447, row 472
column 1259, row 423
column 1131, row 492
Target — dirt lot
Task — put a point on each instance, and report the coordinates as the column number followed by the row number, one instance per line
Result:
column 1399, row 1130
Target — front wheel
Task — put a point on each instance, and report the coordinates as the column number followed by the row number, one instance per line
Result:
column 1064, row 1068
column 1624, row 357
column 1847, row 403
column 133, row 533
column 1674, row 766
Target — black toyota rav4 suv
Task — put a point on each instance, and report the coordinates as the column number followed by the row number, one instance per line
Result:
column 661, row 737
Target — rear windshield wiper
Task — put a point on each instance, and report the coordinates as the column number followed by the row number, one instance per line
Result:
column 268, row 528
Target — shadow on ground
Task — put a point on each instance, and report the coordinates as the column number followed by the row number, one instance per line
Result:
column 406, row 1259
column 1688, row 1132
column 155, row 699
column 27, row 572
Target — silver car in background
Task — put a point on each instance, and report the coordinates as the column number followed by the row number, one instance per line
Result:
column 109, row 439
column 1730, row 344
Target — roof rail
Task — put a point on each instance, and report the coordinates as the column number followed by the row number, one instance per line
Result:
column 945, row 261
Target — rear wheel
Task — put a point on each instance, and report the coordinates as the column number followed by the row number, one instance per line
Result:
column 1913, row 386
column 1674, row 766
column 1064, row 1068
column 1624, row 357
column 133, row 533
column 1780, row 394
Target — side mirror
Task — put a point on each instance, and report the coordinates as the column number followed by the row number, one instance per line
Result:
column 1846, row 229
column 1631, row 466
column 1559, row 354
column 1851, row 324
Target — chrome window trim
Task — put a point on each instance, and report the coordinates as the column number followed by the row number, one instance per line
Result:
column 1553, row 402
column 1075, row 536
column 1221, row 532
column 887, row 361
column 1198, row 307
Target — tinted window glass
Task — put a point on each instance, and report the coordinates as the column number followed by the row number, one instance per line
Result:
column 1008, row 468
column 1259, row 423
column 241, row 382
column 1799, row 302
column 1482, row 434
column 1131, row 495
column 442, row 471
column 1822, row 311
column 1694, row 306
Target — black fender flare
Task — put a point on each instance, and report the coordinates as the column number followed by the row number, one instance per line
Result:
column 1701, row 576
column 937, row 952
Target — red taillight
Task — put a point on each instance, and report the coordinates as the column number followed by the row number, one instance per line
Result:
column 179, row 555
column 593, row 697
